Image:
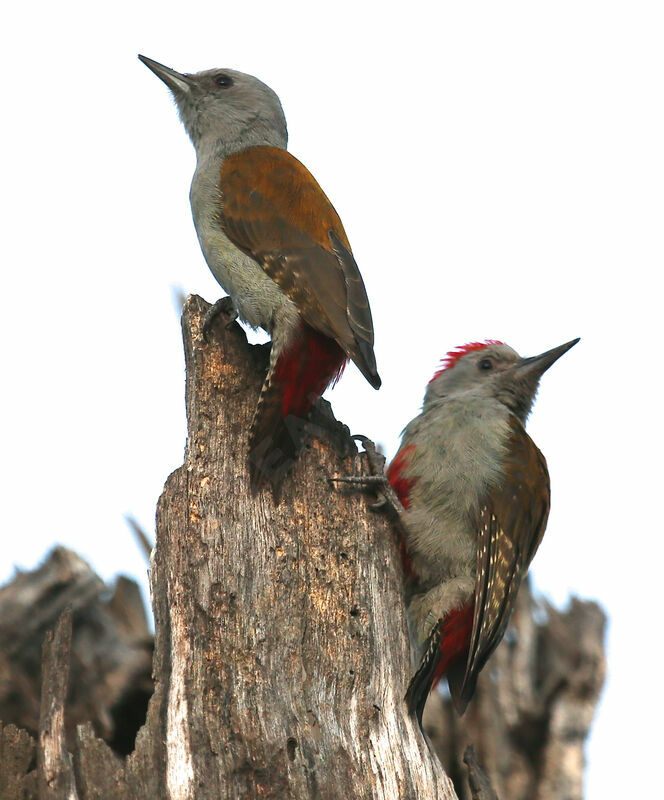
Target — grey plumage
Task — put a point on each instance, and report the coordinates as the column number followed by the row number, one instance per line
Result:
column 476, row 503
column 274, row 242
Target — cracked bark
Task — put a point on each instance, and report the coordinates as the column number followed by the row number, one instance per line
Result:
column 281, row 649
column 55, row 771
column 281, row 653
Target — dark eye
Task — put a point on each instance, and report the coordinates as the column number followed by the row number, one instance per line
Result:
column 224, row 81
column 485, row 364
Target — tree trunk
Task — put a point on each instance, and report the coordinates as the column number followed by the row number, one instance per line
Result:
column 281, row 653
column 281, row 649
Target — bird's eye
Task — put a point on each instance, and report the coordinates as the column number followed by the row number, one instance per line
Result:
column 485, row 364
column 224, row 81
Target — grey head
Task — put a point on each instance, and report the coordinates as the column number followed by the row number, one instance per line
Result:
column 493, row 369
column 224, row 106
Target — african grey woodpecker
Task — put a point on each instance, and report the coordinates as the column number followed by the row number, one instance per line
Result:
column 474, row 491
column 277, row 246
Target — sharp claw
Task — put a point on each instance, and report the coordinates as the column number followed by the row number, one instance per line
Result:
column 378, row 505
column 375, row 460
column 222, row 306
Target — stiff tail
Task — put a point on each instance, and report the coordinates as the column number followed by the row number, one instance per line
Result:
column 446, row 653
column 297, row 377
column 422, row 681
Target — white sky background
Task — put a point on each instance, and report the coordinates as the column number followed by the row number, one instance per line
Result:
column 499, row 170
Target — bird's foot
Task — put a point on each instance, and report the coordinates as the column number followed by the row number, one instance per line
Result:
column 422, row 681
column 223, row 306
column 377, row 483
column 375, row 459
column 376, row 480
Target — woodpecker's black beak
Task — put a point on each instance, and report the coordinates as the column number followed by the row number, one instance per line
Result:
column 536, row 366
column 176, row 81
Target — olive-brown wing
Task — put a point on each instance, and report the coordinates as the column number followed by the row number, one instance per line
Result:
column 272, row 208
column 511, row 526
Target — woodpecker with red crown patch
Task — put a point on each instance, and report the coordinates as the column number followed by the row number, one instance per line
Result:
column 474, row 491
column 274, row 242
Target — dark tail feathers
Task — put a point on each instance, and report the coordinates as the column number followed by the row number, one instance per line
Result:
column 296, row 379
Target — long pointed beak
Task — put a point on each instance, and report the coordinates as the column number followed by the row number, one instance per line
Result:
column 538, row 365
column 176, row 81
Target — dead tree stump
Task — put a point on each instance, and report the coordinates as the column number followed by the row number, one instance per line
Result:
column 281, row 652
column 281, row 649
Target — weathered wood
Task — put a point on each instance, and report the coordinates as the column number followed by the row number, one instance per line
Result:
column 17, row 754
column 478, row 782
column 54, row 763
column 534, row 705
column 99, row 771
column 282, row 654
column 111, row 654
column 281, row 651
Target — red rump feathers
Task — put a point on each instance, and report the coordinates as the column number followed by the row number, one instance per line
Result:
column 398, row 482
column 459, row 352
column 455, row 633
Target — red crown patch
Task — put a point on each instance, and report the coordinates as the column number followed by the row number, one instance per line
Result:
column 459, row 352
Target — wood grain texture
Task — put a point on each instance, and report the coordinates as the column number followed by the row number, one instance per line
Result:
column 17, row 753
column 110, row 659
column 281, row 651
column 54, row 763
column 282, row 648
column 281, row 656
